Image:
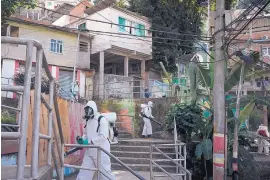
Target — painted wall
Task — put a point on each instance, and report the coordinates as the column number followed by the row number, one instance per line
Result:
column 44, row 35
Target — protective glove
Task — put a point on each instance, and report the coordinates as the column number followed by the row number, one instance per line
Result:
column 80, row 140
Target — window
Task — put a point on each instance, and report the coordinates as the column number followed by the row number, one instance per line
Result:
column 82, row 26
column 14, row 31
column 122, row 23
column 130, row 27
column 83, row 46
column 56, row 46
column 33, row 15
column 266, row 51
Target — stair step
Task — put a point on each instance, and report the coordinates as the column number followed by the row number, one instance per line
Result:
column 121, row 136
column 144, row 167
column 126, row 148
column 9, row 172
column 128, row 160
column 133, row 154
column 143, row 142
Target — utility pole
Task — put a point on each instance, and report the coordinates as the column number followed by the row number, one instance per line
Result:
column 219, row 137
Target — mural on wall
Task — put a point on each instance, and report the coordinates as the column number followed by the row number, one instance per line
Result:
column 125, row 109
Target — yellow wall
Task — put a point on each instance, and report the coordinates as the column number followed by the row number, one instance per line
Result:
column 43, row 35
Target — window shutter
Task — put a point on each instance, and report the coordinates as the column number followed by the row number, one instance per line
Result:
column 137, row 29
column 142, row 30
column 121, row 24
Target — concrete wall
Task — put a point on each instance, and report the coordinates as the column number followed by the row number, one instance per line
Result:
column 44, row 35
column 114, row 87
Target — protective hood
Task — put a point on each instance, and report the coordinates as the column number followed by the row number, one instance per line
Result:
column 150, row 104
column 92, row 105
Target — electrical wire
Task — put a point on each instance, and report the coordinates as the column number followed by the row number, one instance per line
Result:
column 242, row 28
column 116, row 24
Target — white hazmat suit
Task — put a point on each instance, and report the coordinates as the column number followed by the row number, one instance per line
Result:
column 147, row 111
column 262, row 143
column 99, row 138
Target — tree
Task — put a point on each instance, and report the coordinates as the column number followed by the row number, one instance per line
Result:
column 181, row 17
column 121, row 3
column 9, row 7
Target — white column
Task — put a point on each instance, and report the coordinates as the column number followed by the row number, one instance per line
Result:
column 101, row 74
column 126, row 66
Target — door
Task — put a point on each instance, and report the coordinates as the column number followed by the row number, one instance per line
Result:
column 65, row 83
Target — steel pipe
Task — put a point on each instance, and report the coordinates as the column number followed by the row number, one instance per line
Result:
column 81, row 146
column 12, row 88
column 10, row 125
column 122, row 164
column 56, row 108
column 57, row 144
column 25, row 108
column 55, row 163
column 43, row 136
column 168, row 157
column 50, row 122
column 162, row 169
column 80, row 167
column 36, row 120
column 9, row 107
column 20, row 113
column 10, row 135
column 43, row 100
column 46, row 68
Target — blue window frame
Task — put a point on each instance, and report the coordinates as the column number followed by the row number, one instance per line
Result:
column 56, row 46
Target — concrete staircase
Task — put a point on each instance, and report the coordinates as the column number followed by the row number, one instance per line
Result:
column 135, row 153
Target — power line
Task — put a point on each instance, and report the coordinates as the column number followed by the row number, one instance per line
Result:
column 248, row 23
column 116, row 24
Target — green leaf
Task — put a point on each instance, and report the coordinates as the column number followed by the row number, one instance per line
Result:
column 204, row 78
column 198, row 151
column 211, row 67
column 207, row 149
column 244, row 114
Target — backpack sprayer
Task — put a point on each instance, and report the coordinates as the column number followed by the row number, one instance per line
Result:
column 113, row 133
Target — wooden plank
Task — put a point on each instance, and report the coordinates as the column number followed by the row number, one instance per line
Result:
column 30, row 129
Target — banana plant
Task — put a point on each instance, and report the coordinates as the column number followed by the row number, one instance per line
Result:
column 204, row 77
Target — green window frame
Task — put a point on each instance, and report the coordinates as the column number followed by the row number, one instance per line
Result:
column 122, row 23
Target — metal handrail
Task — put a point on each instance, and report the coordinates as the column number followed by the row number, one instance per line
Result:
column 41, row 62
column 162, row 169
column 169, row 158
column 110, row 155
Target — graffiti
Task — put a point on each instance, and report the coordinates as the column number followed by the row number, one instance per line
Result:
column 8, row 160
column 125, row 109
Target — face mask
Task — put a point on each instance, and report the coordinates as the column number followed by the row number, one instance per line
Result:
column 89, row 113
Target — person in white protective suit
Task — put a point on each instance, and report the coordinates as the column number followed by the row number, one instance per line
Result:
column 96, row 133
column 263, row 144
column 146, row 113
